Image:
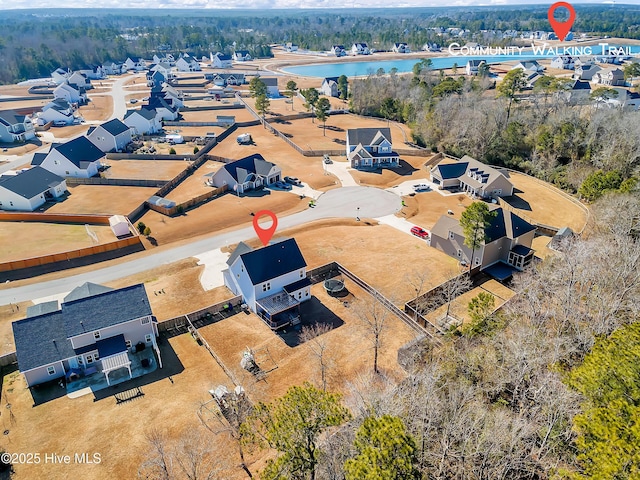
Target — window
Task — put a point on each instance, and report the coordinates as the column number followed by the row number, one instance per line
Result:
column 266, row 286
column 306, row 294
column 451, row 236
column 127, row 343
column 67, row 172
column 96, row 335
column 299, row 295
column 96, row 356
column 89, row 359
column 459, row 253
column 301, row 273
column 51, row 370
column 80, row 360
column 11, row 203
column 477, row 262
column 55, row 162
column 148, row 338
column 145, row 320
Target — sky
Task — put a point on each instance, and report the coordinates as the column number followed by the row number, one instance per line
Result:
column 268, row 4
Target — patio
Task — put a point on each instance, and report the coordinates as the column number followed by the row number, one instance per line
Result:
column 98, row 381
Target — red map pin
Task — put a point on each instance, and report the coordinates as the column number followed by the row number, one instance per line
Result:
column 265, row 234
column 561, row 28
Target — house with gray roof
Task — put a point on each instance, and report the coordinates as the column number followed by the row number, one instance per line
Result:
column 15, row 127
column 111, row 136
column 475, row 178
column 371, row 148
column 28, row 190
column 76, row 158
column 246, row 174
column 94, row 332
column 242, row 56
column 220, row 60
column 507, row 250
column 272, row 86
column 143, row 121
column 272, row 281
column 329, row 87
column 225, row 79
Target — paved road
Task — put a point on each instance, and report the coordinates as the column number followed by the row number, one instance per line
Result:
column 347, row 202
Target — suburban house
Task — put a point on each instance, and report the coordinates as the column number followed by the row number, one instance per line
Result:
column 172, row 96
column 360, row 48
column 158, row 70
column 578, row 93
column 112, row 68
column 290, row 47
column 143, row 121
column 401, row 48
column 338, row 50
column 111, row 136
column 155, row 78
column 79, row 81
column 59, row 111
column 329, row 87
column 371, row 148
column 27, row 190
column 473, row 66
column 76, row 158
column 272, row 86
column 431, row 47
column 586, row 71
column 625, row 99
column 92, row 72
column 613, row 77
column 471, row 176
column 164, row 111
column 564, row 62
column 272, row 281
column 224, row 79
column 60, row 75
column 529, row 66
column 245, row 174
column 186, row 63
column 241, row 56
column 221, row 60
column 94, row 332
column 69, row 93
column 507, row 250
column 168, row 58
column 137, row 65
column 15, row 127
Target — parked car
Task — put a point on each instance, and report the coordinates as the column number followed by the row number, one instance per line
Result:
column 326, row 159
column 419, row 232
column 422, row 187
column 133, row 100
column 282, row 185
column 292, row 180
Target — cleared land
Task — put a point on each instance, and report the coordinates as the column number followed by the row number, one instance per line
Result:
column 308, row 169
column 105, row 199
column 26, row 239
column 425, row 208
column 194, row 185
column 99, row 108
column 410, row 168
column 8, row 314
column 241, row 114
column 144, row 169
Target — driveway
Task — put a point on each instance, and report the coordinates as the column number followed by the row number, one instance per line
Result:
column 367, row 202
column 341, row 170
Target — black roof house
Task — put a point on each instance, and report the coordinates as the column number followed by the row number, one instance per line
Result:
column 31, row 183
column 79, row 151
column 115, row 127
column 253, row 164
column 273, row 261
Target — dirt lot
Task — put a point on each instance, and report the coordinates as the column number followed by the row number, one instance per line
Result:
column 230, row 337
column 171, row 398
column 410, row 168
column 103, row 199
column 242, row 115
column 23, row 149
column 426, row 208
column 194, row 185
column 99, row 108
column 274, row 149
column 143, row 169
column 8, row 314
column 66, row 132
column 225, row 212
column 26, row 239
column 544, row 204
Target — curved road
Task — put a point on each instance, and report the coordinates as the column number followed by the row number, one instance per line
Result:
column 346, row 202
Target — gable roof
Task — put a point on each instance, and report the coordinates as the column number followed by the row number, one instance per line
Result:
column 222, row 56
column 159, row 102
column 269, row 81
column 366, row 136
column 115, row 127
column 240, row 169
column 580, row 85
column 330, row 80
column 11, row 117
column 507, row 224
column 239, row 250
column 147, row 113
column 86, row 290
column 43, row 308
column 273, row 261
column 31, row 183
column 38, row 158
column 451, row 170
column 79, row 150
column 475, row 63
column 105, row 309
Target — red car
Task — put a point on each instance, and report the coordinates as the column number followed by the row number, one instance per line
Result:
column 419, row 232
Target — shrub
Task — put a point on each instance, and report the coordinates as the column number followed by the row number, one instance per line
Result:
column 141, row 227
column 172, row 151
column 147, row 231
column 195, row 150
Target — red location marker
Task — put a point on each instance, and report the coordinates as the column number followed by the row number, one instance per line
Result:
column 561, row 28
column 265, row 234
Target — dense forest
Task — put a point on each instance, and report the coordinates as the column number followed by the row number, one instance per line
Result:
column 35, row 43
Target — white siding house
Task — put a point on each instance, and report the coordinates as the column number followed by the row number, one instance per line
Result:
column 143, row 121
column 27, row 190
column 15, row 127
column 112, row 136
column 76, row 158
column 371, row 148
column 246, row 174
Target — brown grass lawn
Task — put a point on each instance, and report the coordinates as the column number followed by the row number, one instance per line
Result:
column 194, row 185
column 67, row 132
column 19, row 149
column 99, row 108
column 8, row 314
column 143, row 169
column 425, row 208
column 274, row 149
column 410, row 168
column 545, row 204
column 225, row 212
column 105, row 199
column 28, row 239
column 242, row 115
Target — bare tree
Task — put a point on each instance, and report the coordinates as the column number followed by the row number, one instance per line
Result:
column 373, row 317
column 316, row 340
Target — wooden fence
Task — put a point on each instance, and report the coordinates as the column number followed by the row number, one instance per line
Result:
column 192, row 202
column 207, row 314
column 121, row 182
column 90, row 219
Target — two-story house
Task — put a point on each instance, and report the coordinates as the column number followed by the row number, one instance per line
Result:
column 360, row 48
column 246, row 174
column 15, row 127
column 371, row 148
column 221, row 60
column 27, row 190
column 508, row 248
column 93, row 332
column 401, row 47
column 473, row 66
column 329, row 87
column 58, row 111
column 564, row 62
column 70, row 94
column 111, row 136
column 272, row 281
column 475, row 178
column 143, row 121
column 613, row 77
column 241, row 56
column 76, row 158
column 338, row 50
column 186, row 63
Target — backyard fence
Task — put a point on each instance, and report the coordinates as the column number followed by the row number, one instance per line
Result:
column 192, row 202
column 121, row 182
column 208, row 314
column 91, row 219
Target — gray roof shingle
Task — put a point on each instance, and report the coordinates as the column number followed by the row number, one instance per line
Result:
column 115, row 127
column 86, row 290
column 79, row 150
column 31, row 183
column 273, row 261
column 366, row 135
